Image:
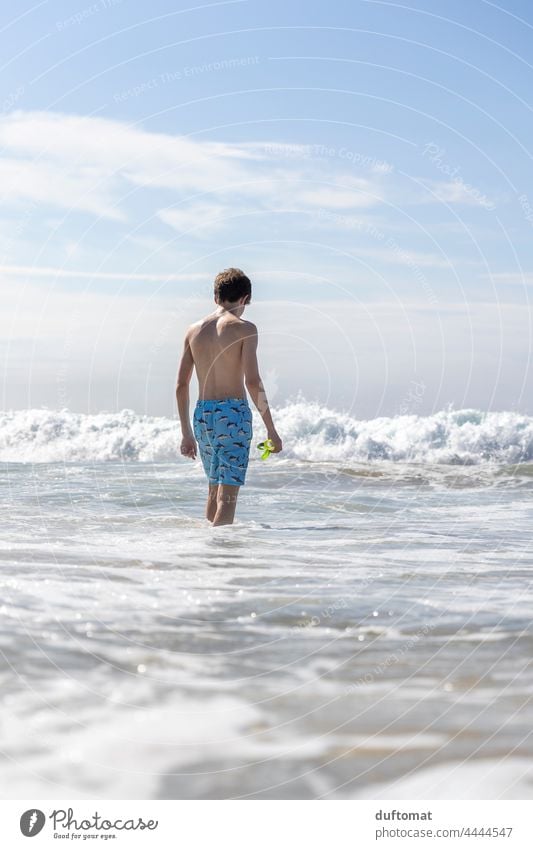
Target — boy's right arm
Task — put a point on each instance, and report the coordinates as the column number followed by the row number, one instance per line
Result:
column 185, row 370
column 254, row 384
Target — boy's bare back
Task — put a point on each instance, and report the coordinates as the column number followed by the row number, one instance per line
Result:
column 216, row 344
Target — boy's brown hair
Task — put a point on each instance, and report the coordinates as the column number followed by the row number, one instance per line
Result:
column 232, row 284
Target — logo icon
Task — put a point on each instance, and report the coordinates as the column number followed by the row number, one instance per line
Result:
column 31, row 822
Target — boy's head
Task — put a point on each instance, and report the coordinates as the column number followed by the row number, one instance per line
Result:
column 232, row 286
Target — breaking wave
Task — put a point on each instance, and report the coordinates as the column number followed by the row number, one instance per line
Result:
column 309, row 431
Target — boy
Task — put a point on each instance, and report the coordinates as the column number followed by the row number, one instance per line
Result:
column 222, row 348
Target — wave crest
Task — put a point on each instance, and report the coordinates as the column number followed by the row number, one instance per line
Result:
column 310, row 431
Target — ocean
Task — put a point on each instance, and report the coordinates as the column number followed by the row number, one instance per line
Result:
column 363, row 631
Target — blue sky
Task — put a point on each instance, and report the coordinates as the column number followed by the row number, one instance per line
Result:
column 369, row 164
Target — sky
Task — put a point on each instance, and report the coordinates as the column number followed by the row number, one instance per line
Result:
column 367, row 163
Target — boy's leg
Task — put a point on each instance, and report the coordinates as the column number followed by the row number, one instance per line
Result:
column 226, row 503
column 211, row 506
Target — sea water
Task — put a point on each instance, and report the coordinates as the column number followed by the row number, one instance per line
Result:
column 363, row 631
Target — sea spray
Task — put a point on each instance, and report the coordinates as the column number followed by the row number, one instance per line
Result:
column 310, row 431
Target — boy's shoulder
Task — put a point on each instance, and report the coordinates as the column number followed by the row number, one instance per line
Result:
column 248, row 328
column 197, row 325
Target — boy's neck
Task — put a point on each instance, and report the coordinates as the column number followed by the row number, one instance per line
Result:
column 234, row 309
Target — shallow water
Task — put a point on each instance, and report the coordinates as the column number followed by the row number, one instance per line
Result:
column 361, row 626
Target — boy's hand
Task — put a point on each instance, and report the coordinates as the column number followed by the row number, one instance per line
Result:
column 274, row 436
column 188, row 447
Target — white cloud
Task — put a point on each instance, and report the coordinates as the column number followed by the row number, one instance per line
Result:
column 90, row 164
column 73, row 273
column 149, row 181
column 456, row 191
column 198, row 219
column 57, row 185
column 511, row 278
column 337, row 198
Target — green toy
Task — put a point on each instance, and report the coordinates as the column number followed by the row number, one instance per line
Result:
column 267, row 448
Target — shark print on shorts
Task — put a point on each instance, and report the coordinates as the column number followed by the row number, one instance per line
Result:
column 223, row 430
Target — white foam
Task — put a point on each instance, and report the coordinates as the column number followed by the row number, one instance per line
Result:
column 121, row 753
column 309, row 431
column 510, row 778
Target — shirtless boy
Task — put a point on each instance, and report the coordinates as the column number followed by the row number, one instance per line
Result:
column 222, row 348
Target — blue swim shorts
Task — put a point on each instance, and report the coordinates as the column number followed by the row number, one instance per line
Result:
column 223, row 431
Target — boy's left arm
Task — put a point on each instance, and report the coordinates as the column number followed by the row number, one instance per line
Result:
column 185, row 369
